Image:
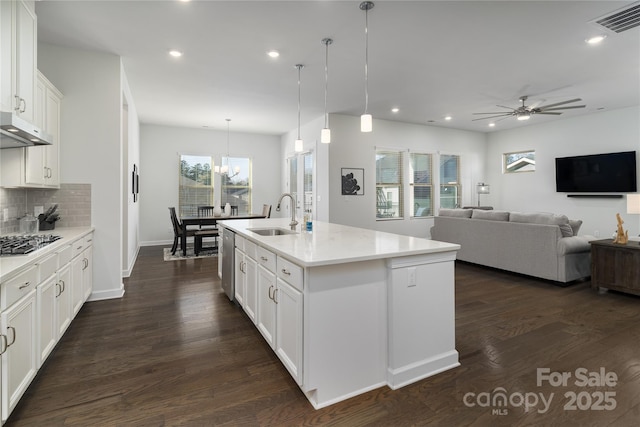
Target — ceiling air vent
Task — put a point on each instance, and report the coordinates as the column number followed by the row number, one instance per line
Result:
column 621, row 19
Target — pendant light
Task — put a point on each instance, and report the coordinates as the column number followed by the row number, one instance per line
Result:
column 224, row 169
column 325, row 134
column 298, row 145
column 366, row 121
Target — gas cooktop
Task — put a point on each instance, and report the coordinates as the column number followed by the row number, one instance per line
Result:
column 24, row 244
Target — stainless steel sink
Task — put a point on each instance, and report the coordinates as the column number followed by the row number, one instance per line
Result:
column 271, row 231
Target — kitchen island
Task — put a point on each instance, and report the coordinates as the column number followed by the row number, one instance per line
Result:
column 346, row 309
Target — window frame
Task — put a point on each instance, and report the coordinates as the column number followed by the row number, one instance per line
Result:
column 381, row 197
column 224, row 186
column 456, row 184
column 413, row 185
column 184, row 209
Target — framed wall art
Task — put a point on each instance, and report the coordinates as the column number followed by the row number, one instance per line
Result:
column 352, row 182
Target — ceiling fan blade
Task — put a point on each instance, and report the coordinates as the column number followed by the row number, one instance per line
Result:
column 508, row 108
column 544, row 107
column 544, row 112
column 562, row 108
column 491, row 117
column 496, row 112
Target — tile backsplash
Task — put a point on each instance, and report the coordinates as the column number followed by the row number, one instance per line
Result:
column 74, row 205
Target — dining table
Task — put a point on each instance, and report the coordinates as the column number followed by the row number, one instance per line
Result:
column 187, row 221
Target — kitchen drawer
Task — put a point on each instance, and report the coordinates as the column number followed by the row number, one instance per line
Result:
column 88, row 239
column 16, row 288
column 240, row 242
column 64, row 255
column 250, row 249
column 290, row 273
column 48, row 266
column 77, row 247
column 267, row 259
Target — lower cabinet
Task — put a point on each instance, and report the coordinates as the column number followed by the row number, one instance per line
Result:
column 266, row 305
column 19, row 361
column 37, row 307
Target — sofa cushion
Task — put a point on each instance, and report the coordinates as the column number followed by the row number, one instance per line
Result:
column 544, row 218
column 575, row 225
column 458, row 213
column 490, row 215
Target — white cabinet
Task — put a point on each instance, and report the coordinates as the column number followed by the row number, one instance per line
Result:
column 63, row 299
column 18, row 38
column 41, row 162
column 288, row 299
column 81, row 272
column 19, row 362
column 48, row 328
column 266, row 320
column 246, row 276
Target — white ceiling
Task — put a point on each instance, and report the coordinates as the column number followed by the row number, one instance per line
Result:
column 428, row 58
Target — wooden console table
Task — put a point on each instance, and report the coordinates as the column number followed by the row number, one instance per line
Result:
column 615, row 266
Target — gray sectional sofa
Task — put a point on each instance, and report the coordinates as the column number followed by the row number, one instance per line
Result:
column 535, row 244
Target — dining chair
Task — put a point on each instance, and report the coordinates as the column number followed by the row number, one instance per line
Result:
column 205, row 210
column 178, row 234
column 266, row 211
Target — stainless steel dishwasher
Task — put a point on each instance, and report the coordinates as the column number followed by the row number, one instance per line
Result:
column 228, row 264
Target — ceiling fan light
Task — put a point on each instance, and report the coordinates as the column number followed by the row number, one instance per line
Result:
column 366, row 123
column 325, row 136
column 524, row 116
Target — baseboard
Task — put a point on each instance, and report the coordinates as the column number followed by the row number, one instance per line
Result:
column 110, row 294
column 127, row 272
column 405, row 375
column 157, row 243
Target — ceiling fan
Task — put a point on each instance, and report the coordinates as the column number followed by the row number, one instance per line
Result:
column 525, row 112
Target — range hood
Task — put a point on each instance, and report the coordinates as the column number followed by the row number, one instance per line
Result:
column 16, row 132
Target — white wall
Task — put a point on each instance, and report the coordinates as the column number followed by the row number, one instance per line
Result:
column 351, row 148
column 90, row 135
column 131, row 156
column 603, row 132
column 160, row 147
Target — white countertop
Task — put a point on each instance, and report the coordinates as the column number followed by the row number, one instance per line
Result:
column 333, row 243
column 12, row 265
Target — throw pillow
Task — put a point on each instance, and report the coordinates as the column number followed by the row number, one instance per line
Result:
column 490, row 215
column 459, row 213
column 575, row 225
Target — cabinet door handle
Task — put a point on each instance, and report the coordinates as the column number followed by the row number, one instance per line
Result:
column 64, row 286
column 265, row 259
column 270, row 295
column 3, row 347
column 26, row 285
column 13, row 332
column 23, row 102
column 59, row 288
column 274, row 295
column 285, row 271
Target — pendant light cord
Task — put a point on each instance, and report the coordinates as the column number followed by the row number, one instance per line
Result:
column 326, row 42
column 366, row 61
column 299, row 67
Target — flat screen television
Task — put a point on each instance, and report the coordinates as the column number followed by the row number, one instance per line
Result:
column 598, row 173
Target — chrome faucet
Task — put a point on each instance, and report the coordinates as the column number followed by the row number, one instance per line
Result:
column 293, row 209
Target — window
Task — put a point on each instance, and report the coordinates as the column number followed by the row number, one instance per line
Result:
column 236, row 184
column 195, row 184
column 308, row 183
column 421, row 180
column 522, row 161
column 450, row 188
column 389, row 192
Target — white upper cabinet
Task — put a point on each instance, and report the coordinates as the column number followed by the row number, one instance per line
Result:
column 18, row 58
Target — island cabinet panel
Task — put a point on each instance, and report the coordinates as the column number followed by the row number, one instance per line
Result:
column 421, row 319
column 266, row 315
column 289, row 328
column 345, row 331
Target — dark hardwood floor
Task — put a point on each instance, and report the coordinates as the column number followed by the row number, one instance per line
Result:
column 175, row 351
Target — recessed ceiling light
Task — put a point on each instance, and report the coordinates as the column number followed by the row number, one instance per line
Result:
column 491, row 125
column 273, row 53
column 596, row 39
column 175, row 53
column 448, row 118
column 395, row 109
